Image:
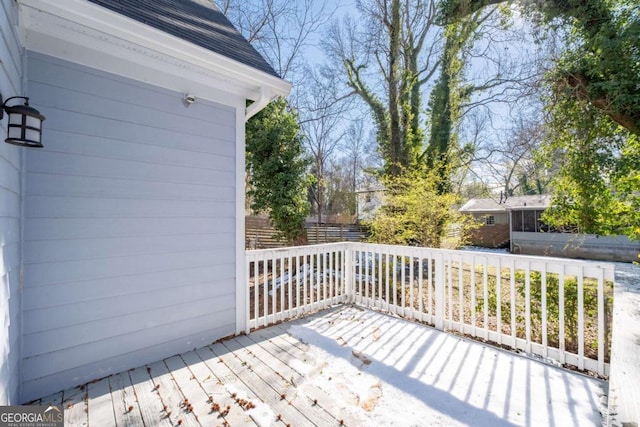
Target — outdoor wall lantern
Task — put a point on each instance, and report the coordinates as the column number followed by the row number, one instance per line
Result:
column 25, row 123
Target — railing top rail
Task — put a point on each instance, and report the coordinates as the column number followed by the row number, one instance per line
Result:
column 566, row 261
column 283, row 250
column 608, row 268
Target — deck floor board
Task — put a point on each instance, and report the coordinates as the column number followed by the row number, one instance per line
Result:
column 262, row 381
column 75, row 406
column 215, row 392
column 125, row 404
column 100, row 403
column 148, row 399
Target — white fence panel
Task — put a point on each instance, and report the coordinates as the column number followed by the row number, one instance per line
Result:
column 288, row 282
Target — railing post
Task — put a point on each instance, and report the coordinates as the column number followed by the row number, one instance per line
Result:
column 439, row 291
column 349, row 273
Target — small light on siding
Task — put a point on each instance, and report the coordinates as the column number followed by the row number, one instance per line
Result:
column 25, row 123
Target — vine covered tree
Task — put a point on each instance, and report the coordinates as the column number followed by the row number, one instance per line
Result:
column 387, row 65
column 277, row 167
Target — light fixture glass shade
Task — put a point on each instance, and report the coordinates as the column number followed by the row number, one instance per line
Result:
column 25, row 124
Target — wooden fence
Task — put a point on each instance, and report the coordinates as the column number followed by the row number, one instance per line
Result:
column 260, row 234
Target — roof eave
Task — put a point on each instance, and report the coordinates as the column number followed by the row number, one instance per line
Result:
column 82, row 22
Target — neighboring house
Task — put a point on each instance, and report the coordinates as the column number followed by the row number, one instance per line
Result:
column 368, row 201
column 515, row 223
column 500, row 216
column 122, row 240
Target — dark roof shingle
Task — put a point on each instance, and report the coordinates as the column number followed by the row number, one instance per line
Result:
column 196, row 21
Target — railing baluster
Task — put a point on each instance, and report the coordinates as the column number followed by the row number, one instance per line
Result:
column 395, row 282
column 332, row 277
column 499, row 300
column 601, row 322
column 527, row 305
column 387, row 286
column 369, row 276
column 581, row 319
column 313, row 273
column 281, row 287
column 265, row 291
column 323, row 278
column 319, row 275
column 473, row 296
column 543, row 291
column 431, row 286
column 256, row 290
column 412, row 310
column 461, row 292
column 420, row 289
column 361, row 265
column 512, row 282
column 561, row 337
column 298, row 284
column 449, row 309
column 380, row 256
column 290, row 286
column 485, row 295
column 305, row 281
column 349, row 274
column 403, row 279
column 439, row 291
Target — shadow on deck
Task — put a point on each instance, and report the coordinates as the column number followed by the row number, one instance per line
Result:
column 342, row 366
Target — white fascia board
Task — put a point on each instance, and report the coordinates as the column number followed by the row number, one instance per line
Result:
column 495, row 210
column 527, row 208
column 144, row 53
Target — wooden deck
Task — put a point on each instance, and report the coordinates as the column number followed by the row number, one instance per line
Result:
column 343, row 366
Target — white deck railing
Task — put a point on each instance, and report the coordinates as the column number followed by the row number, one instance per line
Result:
column 555, row 308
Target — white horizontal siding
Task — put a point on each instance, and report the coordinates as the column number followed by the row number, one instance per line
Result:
column 67, row 294
column 129, row 226
column 10, row 213
column 83, row 228
column 148, row 350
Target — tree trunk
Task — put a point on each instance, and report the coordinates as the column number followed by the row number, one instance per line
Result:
column 393, row 79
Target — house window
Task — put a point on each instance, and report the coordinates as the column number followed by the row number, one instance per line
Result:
column 489, row 220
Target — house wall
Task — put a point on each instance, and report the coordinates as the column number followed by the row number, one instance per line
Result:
column 491, row 236
column 368, row 203
column 587, row 246
column 129, row 252
column 10, row 212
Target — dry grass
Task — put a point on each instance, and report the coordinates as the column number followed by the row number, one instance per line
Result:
column 466, row 296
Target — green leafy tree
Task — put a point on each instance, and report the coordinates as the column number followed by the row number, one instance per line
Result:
column 593, row 101
column 415, row 213
column 597, row 187
column 277, row 169
column 446, row 101
column 601, row 66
